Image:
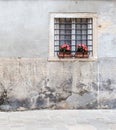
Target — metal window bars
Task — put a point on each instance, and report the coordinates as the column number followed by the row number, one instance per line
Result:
column 73, row 31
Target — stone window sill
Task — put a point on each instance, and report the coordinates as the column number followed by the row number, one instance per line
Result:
column 55, row 59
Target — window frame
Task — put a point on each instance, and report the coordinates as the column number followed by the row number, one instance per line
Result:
column 51, row 56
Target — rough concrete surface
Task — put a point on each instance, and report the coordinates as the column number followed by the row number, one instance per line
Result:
column 59, row 120
column 32, row 83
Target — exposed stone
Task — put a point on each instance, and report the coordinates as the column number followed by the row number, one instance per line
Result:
column 85, row 101
column 41, row 103
column 62, row 105
column 108, row 104
column 21, row 109
column 3, row 97
column 6, row 108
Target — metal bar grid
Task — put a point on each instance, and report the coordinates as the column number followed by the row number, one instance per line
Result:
column 73, row 30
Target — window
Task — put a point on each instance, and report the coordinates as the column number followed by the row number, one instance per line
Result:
column 73, row 29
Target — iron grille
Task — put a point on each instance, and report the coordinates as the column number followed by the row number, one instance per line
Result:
column 73, row 31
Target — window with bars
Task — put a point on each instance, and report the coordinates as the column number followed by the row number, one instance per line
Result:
column 73, row 31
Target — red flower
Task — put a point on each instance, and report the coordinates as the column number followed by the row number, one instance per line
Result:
column 65, row 47
column 81, row 48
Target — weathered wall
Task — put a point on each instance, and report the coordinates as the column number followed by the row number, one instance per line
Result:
column 24, row 25
column 29, row 81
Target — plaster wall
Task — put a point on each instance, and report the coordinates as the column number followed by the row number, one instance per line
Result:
column 29, row 81
column 24, row 25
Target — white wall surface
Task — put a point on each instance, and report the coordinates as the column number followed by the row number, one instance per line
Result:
column 24, row 25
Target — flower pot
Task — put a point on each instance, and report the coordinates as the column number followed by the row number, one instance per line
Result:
column 85, row 55
column 81, row 55
column 64, row 55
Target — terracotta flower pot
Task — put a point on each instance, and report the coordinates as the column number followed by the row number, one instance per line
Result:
column 64, row 55
column 85, row 55
column 78, row 55
column 81, row 55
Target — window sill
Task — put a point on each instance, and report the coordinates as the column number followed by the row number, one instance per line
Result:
column 55, row 59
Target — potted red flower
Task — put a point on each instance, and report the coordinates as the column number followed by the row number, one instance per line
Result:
column 81, row 51
column 64, row 51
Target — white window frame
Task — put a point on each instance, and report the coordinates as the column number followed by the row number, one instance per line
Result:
column 51, row 56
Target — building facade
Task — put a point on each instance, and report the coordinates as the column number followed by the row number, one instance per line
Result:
column 33, row 77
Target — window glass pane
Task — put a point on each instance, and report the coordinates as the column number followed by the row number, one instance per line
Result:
column 78, row 26
column 84, row 26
